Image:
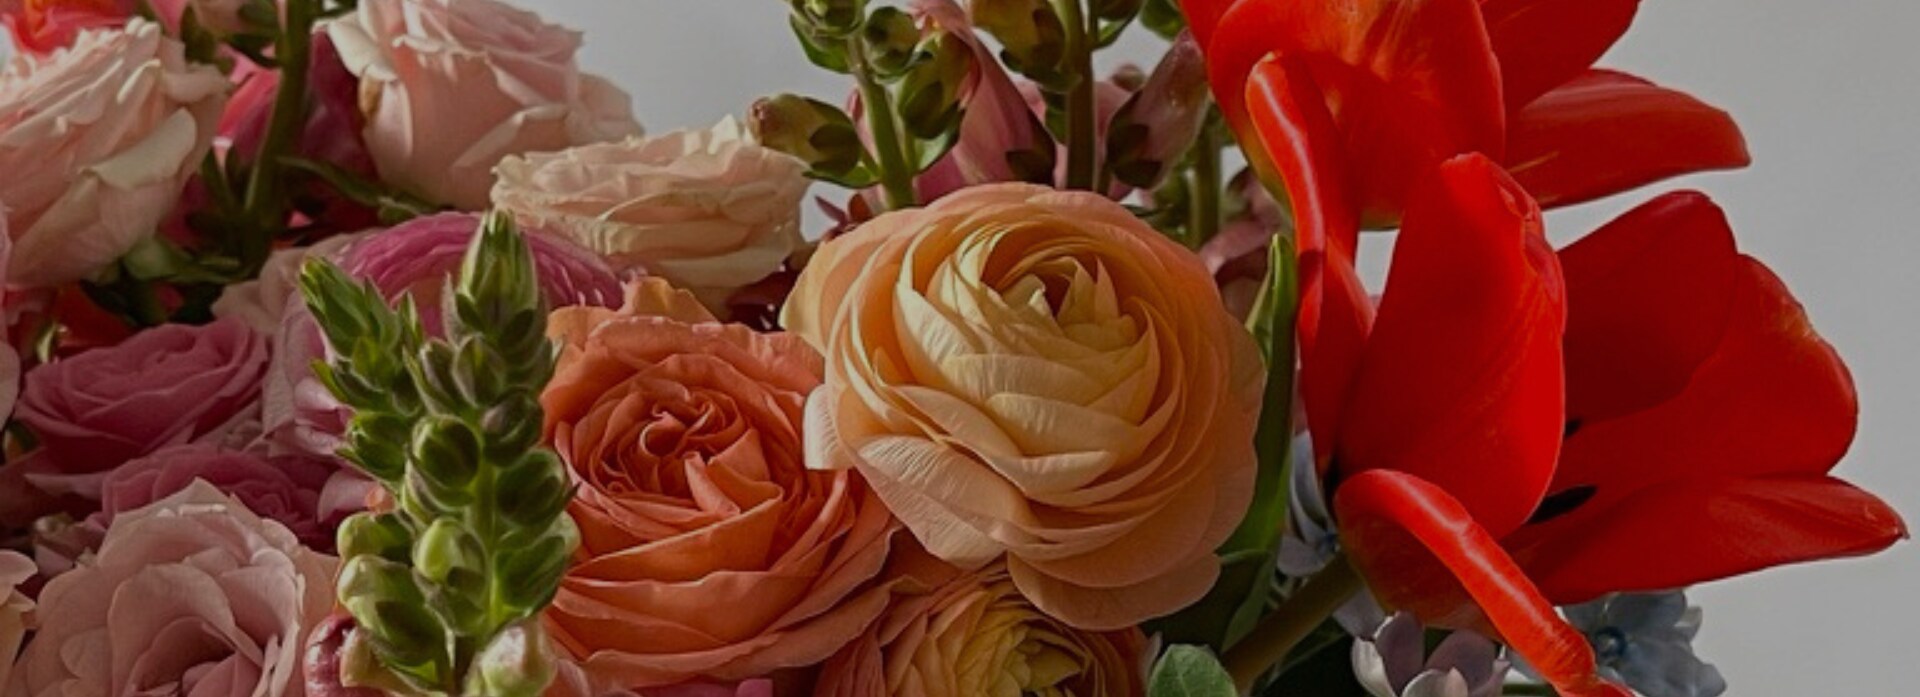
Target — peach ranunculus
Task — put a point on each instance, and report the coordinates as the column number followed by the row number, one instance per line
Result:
column 1038, row 374
column 15, row 569
column 977, row 635
column 452, row 86
column 194, row 595
column 709, row 210
column 96, row 143
column 707, row 550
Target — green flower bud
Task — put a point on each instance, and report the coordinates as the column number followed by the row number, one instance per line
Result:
column 818, row 133
column 513, row 427
column 831, row 17
column 375, row 442
column 893, row 41
column 479, row 372
column 389, row 606
column 449, row 554
column 1032, row 37
column 1117, row 10
column 519, row 662
column 381, row 535
column 527, row 576
column 930, row 95
column 446, row 450
column 532, row 492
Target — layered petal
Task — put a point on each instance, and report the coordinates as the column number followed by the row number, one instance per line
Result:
column 1461, row 380
column 1606, row 132
column 1423, row 552
column 1544, row 43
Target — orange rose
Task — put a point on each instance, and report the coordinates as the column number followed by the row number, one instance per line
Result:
column 977, row 636
column 708, row 551
column 1038, row 374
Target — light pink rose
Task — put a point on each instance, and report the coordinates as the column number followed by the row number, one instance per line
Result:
column 416, row 257
column 96, row 142
column 15, row 569
column 453, row 86
column 165, row 386
column 194, row 595
column 709, row 210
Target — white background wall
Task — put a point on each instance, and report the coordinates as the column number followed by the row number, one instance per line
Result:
column 1829, row 96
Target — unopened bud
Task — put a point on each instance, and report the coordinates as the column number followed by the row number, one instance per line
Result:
column 446, row 450
column 1159, row 124
column 390, row 607
column 527, row 575
column 930, row 95
column 519, row 662
column 533, row 492
column 449, row 554
column 893, row 41
column 832, row 17
column 818, row 133
column 377, row 534
column 1117, row 10
column 1033, row 40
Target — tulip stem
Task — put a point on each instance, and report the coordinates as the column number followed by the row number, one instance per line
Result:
column 264, row 208
column 1206, row 187
column 896, row 177
column 1081, row 107
column 1281, row 630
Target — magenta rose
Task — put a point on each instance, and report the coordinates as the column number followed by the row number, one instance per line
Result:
column 165, row 386
column 416, row 257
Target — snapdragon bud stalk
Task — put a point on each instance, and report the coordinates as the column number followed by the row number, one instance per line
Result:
column 1159, row 124
column 837, row 18
column 893, row 42
column 1033, row 38
column 817, row 133
column 930, row 95
column 446, row 588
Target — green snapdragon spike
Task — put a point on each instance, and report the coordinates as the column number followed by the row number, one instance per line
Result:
column 447, row 587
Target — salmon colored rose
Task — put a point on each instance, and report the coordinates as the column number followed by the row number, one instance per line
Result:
column 1038, row 374
column 977, row 635
column 707, row 550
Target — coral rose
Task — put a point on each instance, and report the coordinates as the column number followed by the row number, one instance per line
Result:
column 977, row 635
column 1038, row 374
column 711, row 210
column 707, row 549
column 453, row 86
column 191, row 596
column 96, row 143
column 165, row 386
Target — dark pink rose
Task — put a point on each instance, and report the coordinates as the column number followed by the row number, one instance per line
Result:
column 165, row 386
column 286, row 489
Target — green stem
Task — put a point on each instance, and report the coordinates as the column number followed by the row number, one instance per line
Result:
column 896, row 176
column 1270, row 642
column 1529, row 690
column 1081, row 108
column 1206, row 191
column 265, row 206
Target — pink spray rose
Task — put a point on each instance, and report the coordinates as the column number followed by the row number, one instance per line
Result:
column 194, row 595
column 165, row 386
column 453, row 86
column 96, row 143
column 416, row 257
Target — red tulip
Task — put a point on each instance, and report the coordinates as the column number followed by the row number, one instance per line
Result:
column 1373, row 93
column 1514, row 430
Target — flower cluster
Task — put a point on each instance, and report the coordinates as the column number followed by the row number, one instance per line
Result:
column 366, row 347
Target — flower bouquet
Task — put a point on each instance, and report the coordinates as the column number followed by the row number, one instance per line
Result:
column 363, row 347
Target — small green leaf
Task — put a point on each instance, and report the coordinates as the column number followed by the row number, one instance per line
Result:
column 1190, row 671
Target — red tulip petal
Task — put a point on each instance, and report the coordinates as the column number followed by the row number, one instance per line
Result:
column 1697, row 529
column 1203, row 15
column 1648, row 299
column 1421, row 551
column 1544, row 43
column 1461, row 380
column 1773, row 400
column 1408, row 82
column 1607, row 132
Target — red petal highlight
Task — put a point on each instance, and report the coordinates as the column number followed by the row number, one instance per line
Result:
column 1607, row 132
column 1648, row 300
column 1203, row 15
column 1421, row 551
column 1544, row 43
column 1697, row 529
column 1461, row 381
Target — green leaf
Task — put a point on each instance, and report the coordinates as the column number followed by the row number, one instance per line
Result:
column 1190, row 671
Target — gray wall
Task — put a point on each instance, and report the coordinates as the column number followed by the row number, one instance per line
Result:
column 1828, row 93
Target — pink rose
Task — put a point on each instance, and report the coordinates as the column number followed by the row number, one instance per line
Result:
column 416, row 257
column 194, row 595
column 96, row 143
column 454, row 86
column 165, row 386
column 283, row 489
column 14, row 570
column 41, row 26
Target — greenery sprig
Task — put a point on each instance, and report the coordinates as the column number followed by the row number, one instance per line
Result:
column 447, row 586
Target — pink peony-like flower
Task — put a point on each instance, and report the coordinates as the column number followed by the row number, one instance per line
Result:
column 165, row 386
column 416, row 257
column 451, row 87
column 14, row 605
column 194, row 595
column 284, row 489
column 96, row 143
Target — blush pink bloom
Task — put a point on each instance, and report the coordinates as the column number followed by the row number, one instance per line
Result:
column 96, row 143
column 707, row 550
column 194, row 595
column 165, row 386
column 1038, row 375
column 15, row 569
column 453, row 86
column 416, row 257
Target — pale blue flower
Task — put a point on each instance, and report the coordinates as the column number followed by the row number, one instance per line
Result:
column 1645, row 640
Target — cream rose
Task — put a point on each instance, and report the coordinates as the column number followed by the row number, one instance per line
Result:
column 194, row 595
column 452, row 86
column 709, row 210
column 1040, row 375
column 96, row 142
